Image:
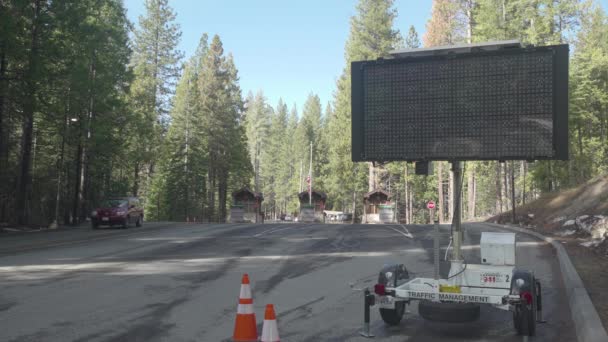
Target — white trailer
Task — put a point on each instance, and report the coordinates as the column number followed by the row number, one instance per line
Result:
column 496, row 282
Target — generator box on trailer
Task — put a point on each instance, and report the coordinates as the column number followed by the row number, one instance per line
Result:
column 498, row 249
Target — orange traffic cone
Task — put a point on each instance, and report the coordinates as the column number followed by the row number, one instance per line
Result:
column 270, row 332
column 245, row 328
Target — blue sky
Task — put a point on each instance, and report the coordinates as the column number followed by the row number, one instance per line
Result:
column 286, row 48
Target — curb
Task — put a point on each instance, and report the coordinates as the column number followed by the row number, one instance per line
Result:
column 589, row 327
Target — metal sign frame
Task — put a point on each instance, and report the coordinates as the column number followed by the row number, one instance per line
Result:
column 560, row 102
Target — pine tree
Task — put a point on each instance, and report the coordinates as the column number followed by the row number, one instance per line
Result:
column 589, row 96
column 155, row 64
column 279, row 148
column 372, row 35
column 294, row 161
column 412, row 41
column 178, row 190
column 443, row 27
column 221, row 104
column 257, row 123
column 67, row 66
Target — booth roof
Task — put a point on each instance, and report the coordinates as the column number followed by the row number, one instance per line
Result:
column 373, row 192
column 246, row 189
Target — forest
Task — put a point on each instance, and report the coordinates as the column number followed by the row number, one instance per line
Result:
column 93, row 105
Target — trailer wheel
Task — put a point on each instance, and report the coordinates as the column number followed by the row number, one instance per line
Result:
column 448, row 312
column 524, row 321
column 393, row 316
column 524, row 316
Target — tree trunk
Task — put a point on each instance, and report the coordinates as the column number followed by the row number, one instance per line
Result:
column 136, row 170
column 371, row 180
column 474, row 197
column 581, row 152
column 498, row 189
column 471, row 192
column 60, row 163
column 470, row 20
column 550, row 178
column 29, row 107
column 406, row 190
column 411, row 207
column 451, row 190
column 78, row 184
column 5, row 187
column 223, row 192
column 84, row 170
column 211, row 195
column 513, row 203
column 354, row 206
column 505, row 170
column 440, row 191
column 522, row 170
column 3, row 88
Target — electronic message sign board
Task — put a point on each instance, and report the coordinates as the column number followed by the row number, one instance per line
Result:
column 506, row 104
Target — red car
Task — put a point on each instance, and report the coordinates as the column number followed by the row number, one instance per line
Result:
column 121, row 211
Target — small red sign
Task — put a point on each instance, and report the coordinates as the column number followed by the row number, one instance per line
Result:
column 430, row 205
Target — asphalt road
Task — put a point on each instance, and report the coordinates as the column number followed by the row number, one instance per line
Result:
column 180, row 282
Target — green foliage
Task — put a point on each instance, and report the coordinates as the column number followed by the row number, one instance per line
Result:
column 66, row 67
column 86, row 113
column 155, row 64
column 412, row 41
column 589, row 98
column 372, row 35
column 444, row 27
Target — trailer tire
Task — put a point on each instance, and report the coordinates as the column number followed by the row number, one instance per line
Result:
column 393, row 317
column 524, row 316
column 448, row 312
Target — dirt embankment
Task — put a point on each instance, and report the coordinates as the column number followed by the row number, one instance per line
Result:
column 579, row 219
column 581, row 211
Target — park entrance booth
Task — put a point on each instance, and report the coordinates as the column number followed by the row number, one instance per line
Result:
column 378, row 208
column 246, row 206
column 312, row 212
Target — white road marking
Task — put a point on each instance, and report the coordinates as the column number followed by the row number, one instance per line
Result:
column 407, row 233
column 272, row 230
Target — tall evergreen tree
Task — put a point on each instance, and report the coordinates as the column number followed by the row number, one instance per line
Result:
column 372, row 35
column 155, row 64
column 279, row 149
column 443, row 26
column 178, row 190
column 221, row 103
column 412, row 41
column 257, row 123
column 66, row 63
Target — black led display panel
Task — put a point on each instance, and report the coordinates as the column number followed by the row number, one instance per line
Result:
column 509, row 104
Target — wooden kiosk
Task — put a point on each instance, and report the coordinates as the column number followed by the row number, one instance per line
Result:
column 246, row 206
column 378, row 207
column 312, row 212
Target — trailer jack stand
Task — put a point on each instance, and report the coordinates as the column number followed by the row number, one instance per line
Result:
column 368, row 301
